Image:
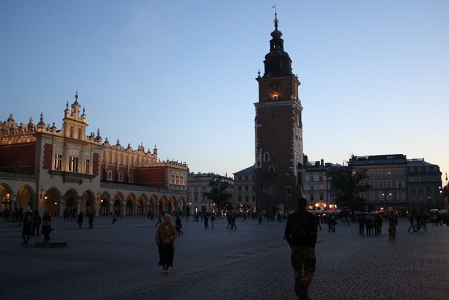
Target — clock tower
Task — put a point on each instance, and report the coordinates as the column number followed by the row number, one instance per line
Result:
column 279, row 172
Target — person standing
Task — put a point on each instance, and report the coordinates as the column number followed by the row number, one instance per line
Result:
column 46, row 226
column 165, row 239
column 37, row 220
column 244, row 218
column 91, row 219
column 159, row 219
column 412, row 224
column 212, row 219
column 301, row 235
column 80, row 219
column 114, row 217
column 178, row 225
column 206, row 220
column 317, row 219
column 361, row 221
column 26, row 230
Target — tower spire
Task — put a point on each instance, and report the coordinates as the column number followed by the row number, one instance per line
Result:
column 276, row 21
column 277, row 61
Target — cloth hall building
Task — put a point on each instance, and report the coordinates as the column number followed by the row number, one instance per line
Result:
column 54, row 170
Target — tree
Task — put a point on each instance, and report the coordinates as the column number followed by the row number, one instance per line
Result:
column 348, row 184
column 219, row 193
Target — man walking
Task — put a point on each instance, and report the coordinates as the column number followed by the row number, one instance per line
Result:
column 301, row 235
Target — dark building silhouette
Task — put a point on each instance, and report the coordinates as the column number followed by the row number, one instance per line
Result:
column 279, row 171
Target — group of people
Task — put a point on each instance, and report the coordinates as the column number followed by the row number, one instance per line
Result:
column 231, row 221
column 416, row 220
column 31, row 223
column 371, row 222
column 69, row 215
column 90, row 216
column 13, row 216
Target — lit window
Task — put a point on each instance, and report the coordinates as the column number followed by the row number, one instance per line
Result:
column 86, row 166
column 58, row 162
column 73, row 164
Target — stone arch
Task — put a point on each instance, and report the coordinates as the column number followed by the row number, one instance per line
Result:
column 117, row 203
column 129, row 204
column 162, row 209
column 152, row 205
column 6, row 195
column 105, row 203
column 87, row 204
column 141, row 205
column 171, row 205
column 52, row 198
column 181, row 205
column 71, row 202
column 24, row 198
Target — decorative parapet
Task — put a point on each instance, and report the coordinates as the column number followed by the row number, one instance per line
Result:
column 141, row 188
column 71, row 176
column 17, row 176
column 172, row 164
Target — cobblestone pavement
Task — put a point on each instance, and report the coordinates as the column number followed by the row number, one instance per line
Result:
column 120, row 262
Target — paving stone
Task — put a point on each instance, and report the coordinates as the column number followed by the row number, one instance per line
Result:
column 253, row 262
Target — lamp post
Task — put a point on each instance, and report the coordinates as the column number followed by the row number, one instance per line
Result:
column 447, row 200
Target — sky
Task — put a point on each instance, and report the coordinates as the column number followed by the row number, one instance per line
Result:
column 180, row 74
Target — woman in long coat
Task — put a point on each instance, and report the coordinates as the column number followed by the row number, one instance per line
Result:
column 46, row 226
column 165, row 239
column 27, row 226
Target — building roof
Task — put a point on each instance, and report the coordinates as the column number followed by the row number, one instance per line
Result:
column 387, row 159
column 418, row 162
column 249, row 170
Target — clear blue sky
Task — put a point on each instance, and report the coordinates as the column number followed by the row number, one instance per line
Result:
column 181, row 74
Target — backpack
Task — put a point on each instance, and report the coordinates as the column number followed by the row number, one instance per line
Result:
column 300, row 227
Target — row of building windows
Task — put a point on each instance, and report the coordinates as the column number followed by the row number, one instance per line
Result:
column 312, row 197
column 73, row 164
column 247, row 199
column 312, row 178
column 388, row 172
column 312, row 187
column 422, row 187
column 177, row 179
column 426, row 169
column 389, row 185
column 120, row 176
column 421, row 178
column 247, row 187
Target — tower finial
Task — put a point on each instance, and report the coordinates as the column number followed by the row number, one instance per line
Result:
column 276, row 21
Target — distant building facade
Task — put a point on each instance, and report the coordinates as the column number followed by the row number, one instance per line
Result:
column 197, row 186
column 397, row 184
column 244, row 198
column 317, row 188
column 279, row 172
column 424, row 186
column 58, row 170
column 387, row 180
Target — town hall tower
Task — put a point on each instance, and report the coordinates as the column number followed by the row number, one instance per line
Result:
column 279, row 172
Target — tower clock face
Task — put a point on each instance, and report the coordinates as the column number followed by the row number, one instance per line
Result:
column 275, row 87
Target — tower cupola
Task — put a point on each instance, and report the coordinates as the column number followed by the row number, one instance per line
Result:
column 277, row 61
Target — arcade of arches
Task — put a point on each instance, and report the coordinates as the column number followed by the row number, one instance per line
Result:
column 103, row 202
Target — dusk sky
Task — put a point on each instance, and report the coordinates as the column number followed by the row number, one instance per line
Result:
column 181, row 74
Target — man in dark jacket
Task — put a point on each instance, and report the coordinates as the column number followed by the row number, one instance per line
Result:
column 301, row 235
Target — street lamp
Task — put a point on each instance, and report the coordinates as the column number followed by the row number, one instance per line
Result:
column 447, row 200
